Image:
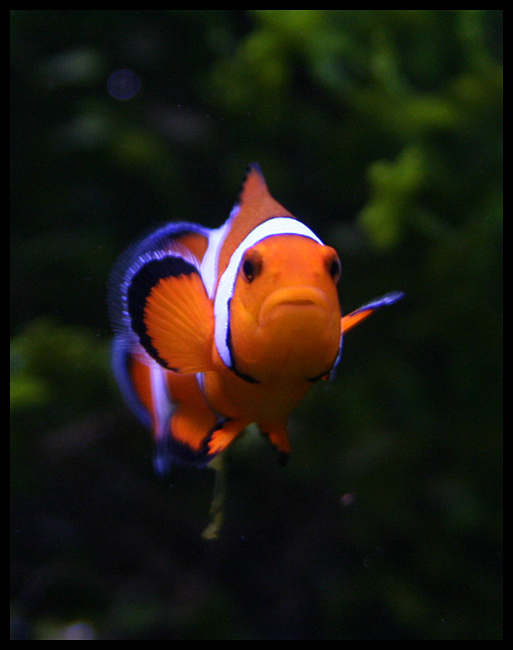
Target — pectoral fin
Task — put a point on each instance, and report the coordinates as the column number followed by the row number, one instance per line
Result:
column 172, row 314
column 360, row 314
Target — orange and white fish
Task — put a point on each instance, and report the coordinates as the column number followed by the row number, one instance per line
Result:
column 218, row 329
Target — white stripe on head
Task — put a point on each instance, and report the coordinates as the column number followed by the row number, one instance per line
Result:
column 211, row 259
column 274, row 226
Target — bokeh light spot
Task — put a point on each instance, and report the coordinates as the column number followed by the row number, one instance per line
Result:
column 123, row 84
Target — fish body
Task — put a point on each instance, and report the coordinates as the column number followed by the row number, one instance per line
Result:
column 219, row 329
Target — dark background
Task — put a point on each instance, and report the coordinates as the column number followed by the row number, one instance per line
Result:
column 382, row 130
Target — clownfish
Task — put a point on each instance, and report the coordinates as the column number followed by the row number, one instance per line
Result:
column 219, row 329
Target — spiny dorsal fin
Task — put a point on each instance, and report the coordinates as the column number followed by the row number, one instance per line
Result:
column 255, row 205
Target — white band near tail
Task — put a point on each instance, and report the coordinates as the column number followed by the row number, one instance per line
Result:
column 274, row 226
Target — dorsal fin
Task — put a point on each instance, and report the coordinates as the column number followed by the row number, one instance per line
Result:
column 255, row 205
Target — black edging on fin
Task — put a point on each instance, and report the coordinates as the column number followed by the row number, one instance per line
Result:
column 169, row 452
column 140, row 288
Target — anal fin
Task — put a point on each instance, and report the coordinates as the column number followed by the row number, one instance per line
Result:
column 188, row 427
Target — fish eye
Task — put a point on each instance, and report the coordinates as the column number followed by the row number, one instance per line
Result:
column 249, row 270
column 251, row 265
column 334, row 268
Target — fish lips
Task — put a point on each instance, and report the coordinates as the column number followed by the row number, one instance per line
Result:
column 294, row 302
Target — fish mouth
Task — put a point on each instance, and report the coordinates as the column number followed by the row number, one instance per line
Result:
column 293, row 302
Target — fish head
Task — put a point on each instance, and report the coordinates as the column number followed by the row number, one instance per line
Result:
column 285, row 311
